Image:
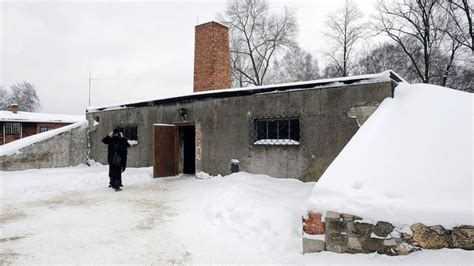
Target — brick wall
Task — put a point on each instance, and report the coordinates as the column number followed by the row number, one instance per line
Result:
column 212, row 69
column 28, row 129
column 1, row 133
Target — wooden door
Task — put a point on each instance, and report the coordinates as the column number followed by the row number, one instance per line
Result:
column 165, row 150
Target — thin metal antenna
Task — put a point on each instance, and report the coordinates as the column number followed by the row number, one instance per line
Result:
column 90, row 85
column 90, row 88
column 197, row 20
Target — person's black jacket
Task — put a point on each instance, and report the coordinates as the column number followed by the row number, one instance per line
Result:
column 117, row 145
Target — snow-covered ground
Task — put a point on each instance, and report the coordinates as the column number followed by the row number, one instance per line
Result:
column 412, row 161
column 68, row 215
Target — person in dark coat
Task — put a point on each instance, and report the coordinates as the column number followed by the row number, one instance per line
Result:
column 116, row 156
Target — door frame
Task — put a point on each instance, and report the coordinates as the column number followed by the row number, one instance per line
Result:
column 176, row 145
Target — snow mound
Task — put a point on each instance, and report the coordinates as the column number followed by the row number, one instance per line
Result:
column 410, row 162
column 17, row 145
column 248, row 214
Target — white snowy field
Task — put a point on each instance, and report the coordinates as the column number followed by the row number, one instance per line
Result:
column 68, row 215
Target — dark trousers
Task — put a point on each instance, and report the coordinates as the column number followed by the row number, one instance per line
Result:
column 115, row 174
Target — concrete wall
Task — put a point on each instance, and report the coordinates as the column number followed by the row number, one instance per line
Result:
column 325, row 125
column 65, row 149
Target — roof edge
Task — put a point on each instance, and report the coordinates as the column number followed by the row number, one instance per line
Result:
column 388, row 75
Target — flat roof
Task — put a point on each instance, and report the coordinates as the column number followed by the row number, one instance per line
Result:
column 385, row 76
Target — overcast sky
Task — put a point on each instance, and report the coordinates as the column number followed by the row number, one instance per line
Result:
column 135, row 50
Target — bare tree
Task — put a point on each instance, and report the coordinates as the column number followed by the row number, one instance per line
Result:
column 330, row 71
column 24, row 94
column 461, row 78
column 460, row 12
column 386, row 56
column 4, row 99
column 417, row 27
column 451, row 50
column 345, row 29
column 446, row 70
column 296, row 65
column 239, row 63
column 258, row 37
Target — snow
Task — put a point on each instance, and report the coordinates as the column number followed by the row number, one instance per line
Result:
column 132, row 142
column 39, row 117
column 203, row 175
column 15, row 146
column 164, row 125
column 69, row 216
column 276, row 142
column 383, row 76
column 410, row 162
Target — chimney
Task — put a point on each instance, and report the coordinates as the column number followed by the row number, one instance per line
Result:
column 14, row 108
column 211, row 57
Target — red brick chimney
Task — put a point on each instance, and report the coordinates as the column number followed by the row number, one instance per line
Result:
column 14, row 108
column 211, row 57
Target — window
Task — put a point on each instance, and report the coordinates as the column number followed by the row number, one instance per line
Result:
column 129, row 132
column 276, row 131
column 12, row 128
column 44, row 129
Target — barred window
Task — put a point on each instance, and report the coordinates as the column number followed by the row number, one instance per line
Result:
column 12, row 128
column 129, row 132
column 276, row 131
column 44, row 129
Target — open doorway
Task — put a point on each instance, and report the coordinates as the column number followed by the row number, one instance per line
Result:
column 174, row 149
column 187, row 135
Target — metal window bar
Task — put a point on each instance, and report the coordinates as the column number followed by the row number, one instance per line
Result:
column 282, row 130
column 130, row 132
column 12, row 128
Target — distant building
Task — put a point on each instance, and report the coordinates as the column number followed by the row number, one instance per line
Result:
column 15, row 125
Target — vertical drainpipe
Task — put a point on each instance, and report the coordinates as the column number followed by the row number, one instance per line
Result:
column 88, row 142
column 70, row 143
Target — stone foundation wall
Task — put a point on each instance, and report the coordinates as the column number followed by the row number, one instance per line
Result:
column 346, row 233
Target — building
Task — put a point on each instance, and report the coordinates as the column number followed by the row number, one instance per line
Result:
column 15, row 124
column 287, row 130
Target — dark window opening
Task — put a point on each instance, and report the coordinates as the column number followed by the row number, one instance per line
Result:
column 12, row 128
column 294, row 129
column 129, row 132
column 276, row 131
column 44, row 129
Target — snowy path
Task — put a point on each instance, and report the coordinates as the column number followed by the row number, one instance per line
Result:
column 98, row 226
column 68, row 215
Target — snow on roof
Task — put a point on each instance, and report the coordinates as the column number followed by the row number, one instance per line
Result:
column 410, row 162
column 212, row 22
column 17, row 145
column 39, row 117
column 332, row 82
